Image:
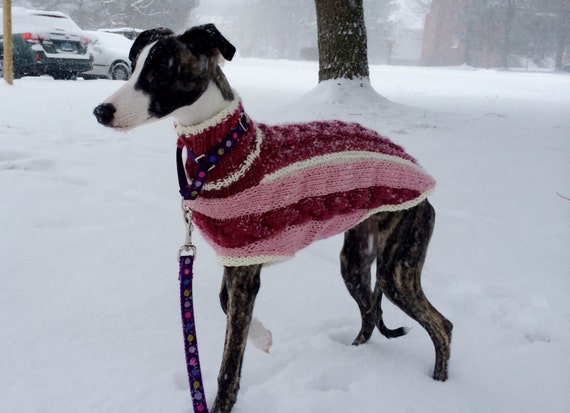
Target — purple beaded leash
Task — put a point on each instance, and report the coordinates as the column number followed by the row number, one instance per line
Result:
column 187, row 254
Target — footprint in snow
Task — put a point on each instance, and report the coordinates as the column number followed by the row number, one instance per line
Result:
column 10, row 161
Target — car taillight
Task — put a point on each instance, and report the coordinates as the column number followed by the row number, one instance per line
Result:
column 31, row 37
column 38, row 57
column 85, row 41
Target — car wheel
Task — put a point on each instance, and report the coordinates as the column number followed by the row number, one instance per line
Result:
column 120, row 72
column 15, row 73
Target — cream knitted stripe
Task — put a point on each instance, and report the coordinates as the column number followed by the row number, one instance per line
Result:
column 337, row 157
column 315, row 181
column 241, row 261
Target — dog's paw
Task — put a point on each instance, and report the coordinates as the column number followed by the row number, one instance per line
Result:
column 260, row 336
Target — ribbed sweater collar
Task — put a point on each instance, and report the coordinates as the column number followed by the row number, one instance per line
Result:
column 203, row 136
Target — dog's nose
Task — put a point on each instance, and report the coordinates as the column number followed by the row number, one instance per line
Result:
column 104, row 113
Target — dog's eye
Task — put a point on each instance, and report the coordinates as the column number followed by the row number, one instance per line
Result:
column 161, row 72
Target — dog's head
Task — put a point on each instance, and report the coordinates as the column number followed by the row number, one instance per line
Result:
column 169, row 72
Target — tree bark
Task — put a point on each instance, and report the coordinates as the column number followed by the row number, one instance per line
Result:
column 508, row 23
column 341, row 39
column 8, row 59
column 562, row 31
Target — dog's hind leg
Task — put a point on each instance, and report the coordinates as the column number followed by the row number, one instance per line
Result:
column 403, row 246
column 358, row 253
column 239, row 289
column 356, row 257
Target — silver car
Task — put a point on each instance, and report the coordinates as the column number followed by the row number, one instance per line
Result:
column 110, row 56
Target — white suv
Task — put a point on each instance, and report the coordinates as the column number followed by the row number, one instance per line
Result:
column 47, row 42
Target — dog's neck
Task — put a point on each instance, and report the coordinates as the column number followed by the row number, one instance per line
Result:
column 206, row 107
column 212, row 130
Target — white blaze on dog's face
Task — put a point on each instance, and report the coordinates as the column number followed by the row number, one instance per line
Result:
column 170, row 73
column 131, row 105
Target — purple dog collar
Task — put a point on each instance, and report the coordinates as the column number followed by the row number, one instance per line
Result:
column 207, row 161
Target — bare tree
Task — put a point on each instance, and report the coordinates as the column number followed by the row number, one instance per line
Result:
column 341, row 39
column 559, row 13
column 509, row 13
column 562, row 36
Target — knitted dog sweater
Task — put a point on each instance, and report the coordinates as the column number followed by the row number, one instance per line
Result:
column 279, row 188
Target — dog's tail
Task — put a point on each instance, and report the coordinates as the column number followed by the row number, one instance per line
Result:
column 386, row 332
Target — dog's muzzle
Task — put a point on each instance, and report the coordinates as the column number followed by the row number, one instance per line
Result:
column 105, row 113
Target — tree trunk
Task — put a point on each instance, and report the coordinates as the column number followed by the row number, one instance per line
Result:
column 508, row 23
column 563, row 22
column 341, row 39
column 8, row 55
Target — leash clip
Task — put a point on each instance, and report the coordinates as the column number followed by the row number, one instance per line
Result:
column 244, row 119
column 188, row 249
column 199, row 158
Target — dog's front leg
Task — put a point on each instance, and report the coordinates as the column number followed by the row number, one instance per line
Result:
column 240, row 286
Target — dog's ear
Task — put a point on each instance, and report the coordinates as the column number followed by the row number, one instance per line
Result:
column 146, row 38
column 207, row 40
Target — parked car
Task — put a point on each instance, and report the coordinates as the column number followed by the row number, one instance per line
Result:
column 47, row 42
column 129, row 32
column 110, row 56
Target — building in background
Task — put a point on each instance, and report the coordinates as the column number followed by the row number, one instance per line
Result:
column 444, row 30
column 497, row 33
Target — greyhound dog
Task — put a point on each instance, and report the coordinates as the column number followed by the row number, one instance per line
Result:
column 179, row 75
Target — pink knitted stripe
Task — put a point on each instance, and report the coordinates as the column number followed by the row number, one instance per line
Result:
column 314, row 181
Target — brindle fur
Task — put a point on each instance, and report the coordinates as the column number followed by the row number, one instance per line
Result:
column 398, row 241
column 237, row 296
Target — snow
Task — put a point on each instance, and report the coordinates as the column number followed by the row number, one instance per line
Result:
column 410, row 14
column 91, row 226
column 44, row 22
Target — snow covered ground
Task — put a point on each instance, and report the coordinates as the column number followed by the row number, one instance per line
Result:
column 90, row 227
